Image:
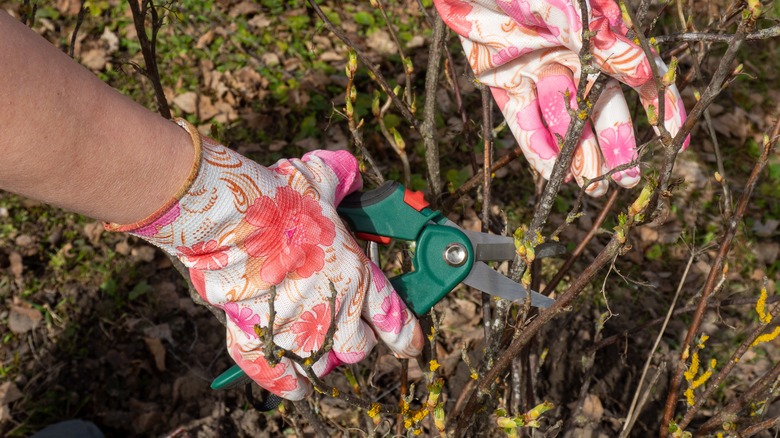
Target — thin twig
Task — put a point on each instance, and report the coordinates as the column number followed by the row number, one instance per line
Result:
column 149, row 49
column 355, row 128
column 27, row 13
column 736, row 405
column 587, row 361
column 394, row 36
column 594, row 229
column 759, row 427
column 378, row 77
column 574, row 212
column 714, row 383
column 544, row 207
column 428, row 131
column 79, row 20
column 532, row 328
column 708, row 120
column 393, row 144
column 475, row 180
column 715, row 271
column 666, row 137
column 770, row 32
column 645, row 396
column 606, row 342
column 562, row 161
column 632, row 415
column 487, row 125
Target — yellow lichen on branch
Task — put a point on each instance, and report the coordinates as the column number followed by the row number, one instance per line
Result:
column 767, row 337
column 693, row 370
column 763, row 316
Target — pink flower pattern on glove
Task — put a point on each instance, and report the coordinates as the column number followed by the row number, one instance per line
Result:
column 244, row 230
column 242, row 317
column 617, row 144
column 205, row 255
column 289, row 236
column 514, row 46
column 312, row 327
column 276, row 379
column 393, row 316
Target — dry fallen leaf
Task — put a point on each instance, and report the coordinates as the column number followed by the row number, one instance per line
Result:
column 9, row 393
column 733, row 123
column 206, row 109
column 592, row 408
column 145, row 253
column 186, row 102
column 277, row 145
column 205, row 39
column 308, row 144
column 331, row 56
column 24, row 240
column 17, row 267
column 69, row 7
column 259, row 21
column 160, row 331
column 415, row 42
column 93, row 231
column 94, row 59
column 5, row 414
column 188, row 387
column 109, row 40
column 226, row 113
column 381, row 42
column 387, row 363
column 23, row 319
column 157, row 349
column 122, row 248
column 246, row 7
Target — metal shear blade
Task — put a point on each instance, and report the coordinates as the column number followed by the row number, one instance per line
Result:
column 484, row 278
column 494, row 247
column 489, row 247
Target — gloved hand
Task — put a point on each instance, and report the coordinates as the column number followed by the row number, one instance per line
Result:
column 526, row 51
column 242, row 228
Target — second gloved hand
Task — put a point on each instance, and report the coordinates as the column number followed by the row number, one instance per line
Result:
column 242, row 229
column 527, row 52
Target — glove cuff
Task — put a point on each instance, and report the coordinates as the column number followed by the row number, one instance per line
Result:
column 197, row 144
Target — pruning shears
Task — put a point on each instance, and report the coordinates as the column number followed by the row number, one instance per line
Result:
column 445, row 255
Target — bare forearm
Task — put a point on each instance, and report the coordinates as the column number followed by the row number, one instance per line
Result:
column 70, row 140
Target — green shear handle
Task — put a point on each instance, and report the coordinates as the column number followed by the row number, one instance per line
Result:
column 443, row 255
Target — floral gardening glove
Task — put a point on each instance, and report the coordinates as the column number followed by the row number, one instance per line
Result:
column 242, row 228
column 527, row 52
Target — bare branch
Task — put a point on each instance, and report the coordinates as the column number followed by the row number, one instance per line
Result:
column 404, row 61
column 428, row 130
column 487, row 125
column 736, row 405
column 79, row 20
column 759, row 427
column 380, row 79
column 679, row 311
column 149, row 48
column 583, row 244
column 724, row 372
column 715, row 271
column 763, row 34
column 633, row 411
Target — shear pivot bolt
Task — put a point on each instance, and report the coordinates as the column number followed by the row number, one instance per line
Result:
column 455, row 254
